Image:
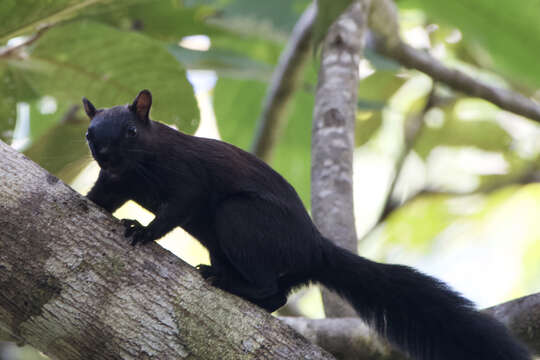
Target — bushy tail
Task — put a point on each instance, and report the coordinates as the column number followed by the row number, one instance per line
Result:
column 415, row 312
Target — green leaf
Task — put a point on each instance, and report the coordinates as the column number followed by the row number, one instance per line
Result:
column 507, row 32
column 373, row 94
column 170, row 21
column 8, row 103
column 109, row 67
column 482, row 132
column 292, row 157
column 18, row 17
column 237, row 104
column 236, row 122
column 378, row 87
column 225, row 63
column 62, row 150
column 163, row 20
column 13, row 88
column 42, row 121
column 366, row 126
column 265, row 18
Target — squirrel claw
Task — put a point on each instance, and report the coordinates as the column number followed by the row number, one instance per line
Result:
column 135, row 230
column 208, row 273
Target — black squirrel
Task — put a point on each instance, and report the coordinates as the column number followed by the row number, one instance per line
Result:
column 261, row 240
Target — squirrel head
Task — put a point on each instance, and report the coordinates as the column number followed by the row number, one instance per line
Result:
column 115, row 134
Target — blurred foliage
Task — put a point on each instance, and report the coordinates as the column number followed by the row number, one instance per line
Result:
column 501, row 35
column 237, row 121
column 19, row 17
column 65, row 64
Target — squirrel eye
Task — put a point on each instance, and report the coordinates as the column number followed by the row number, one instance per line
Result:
column 131, row 131
column 87, row 136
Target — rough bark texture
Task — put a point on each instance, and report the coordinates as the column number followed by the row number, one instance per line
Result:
column 284, row 83
column 333, row 137
column 72, row 287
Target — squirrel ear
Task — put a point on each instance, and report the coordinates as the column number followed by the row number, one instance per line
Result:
column 141, row 105
column 89, row 108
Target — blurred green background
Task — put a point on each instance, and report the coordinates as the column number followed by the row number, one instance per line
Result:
column 467, row 201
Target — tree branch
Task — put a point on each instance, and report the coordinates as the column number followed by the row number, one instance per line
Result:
column 383, row 20
column 332, row 145
column 72, row 287
column 350, row 338
column 9, row 51
column 285, row 81
column 522, row 317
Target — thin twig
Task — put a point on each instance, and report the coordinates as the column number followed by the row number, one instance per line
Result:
column 383, row 20
column 285, row 81
column 49, row 19
column 10, row 50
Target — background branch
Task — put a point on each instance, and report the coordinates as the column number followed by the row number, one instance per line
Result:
column 285, row 80
column 384, row 21
column 11, row 50
column 332, row 145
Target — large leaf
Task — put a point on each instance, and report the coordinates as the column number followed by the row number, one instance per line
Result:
column 43, row 119
column 13, row 88
column 172, row 20
column 509, row 32
column 238, row 104
column 163, row 20
column 109, row 67
column 62, row 150
column 292, row 156
column 266, row 18
column 225, row 63
column 481, row 131
column 18, row 17
column 8, row 103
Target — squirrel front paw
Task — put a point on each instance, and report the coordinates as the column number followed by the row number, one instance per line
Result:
column 137, row 232
column 206, row 271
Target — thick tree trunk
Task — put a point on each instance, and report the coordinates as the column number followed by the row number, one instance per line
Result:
column 332, row 146
column 72, row 287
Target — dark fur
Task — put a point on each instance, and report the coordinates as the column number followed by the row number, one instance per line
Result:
column 262, row 242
